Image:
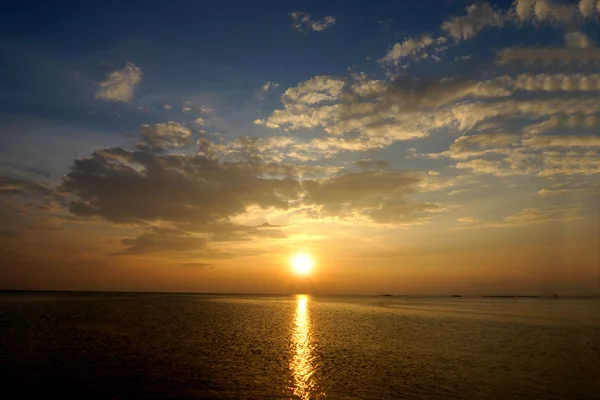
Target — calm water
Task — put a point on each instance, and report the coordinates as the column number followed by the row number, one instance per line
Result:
column 118, row 346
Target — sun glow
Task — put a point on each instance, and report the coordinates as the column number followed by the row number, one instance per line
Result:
column 302, row 263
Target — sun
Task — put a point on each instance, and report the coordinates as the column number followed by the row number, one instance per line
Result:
column 302, row 263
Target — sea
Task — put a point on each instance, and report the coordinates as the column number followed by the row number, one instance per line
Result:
column 78, row 345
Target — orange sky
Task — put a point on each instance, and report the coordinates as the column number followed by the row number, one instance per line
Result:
column 451, row 150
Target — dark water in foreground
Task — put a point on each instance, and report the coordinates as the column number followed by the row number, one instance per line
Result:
column 118, row 346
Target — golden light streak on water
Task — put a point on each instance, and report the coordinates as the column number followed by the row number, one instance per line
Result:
column 302, row 364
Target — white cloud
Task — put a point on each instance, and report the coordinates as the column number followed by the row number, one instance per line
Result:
column 168, row 107
column 120, row 85
column 302, row 22
column 186, row 109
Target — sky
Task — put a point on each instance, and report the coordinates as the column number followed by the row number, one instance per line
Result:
column 439, row 147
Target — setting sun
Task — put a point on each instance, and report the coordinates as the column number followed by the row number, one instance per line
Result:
column 302, row 263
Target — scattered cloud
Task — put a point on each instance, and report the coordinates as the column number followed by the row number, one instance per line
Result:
column 303, row 22
column 120, row 85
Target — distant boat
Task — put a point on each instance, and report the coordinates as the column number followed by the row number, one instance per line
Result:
column 456, row 295
column 387, row 295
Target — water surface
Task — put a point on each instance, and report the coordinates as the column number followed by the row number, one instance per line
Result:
column 159, row 346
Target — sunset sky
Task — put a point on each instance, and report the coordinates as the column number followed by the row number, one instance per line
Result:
column 407, row 147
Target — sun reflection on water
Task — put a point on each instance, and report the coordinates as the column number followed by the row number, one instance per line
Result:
column 302, row 364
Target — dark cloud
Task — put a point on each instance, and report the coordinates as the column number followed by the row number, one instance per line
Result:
column 158, row 240
column 134, row 186
column 198, row 196
column 378, row 195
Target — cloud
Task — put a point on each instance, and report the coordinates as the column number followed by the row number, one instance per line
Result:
column 562, row 141
column 7, row 233
column 549, row 55
column 551, row 11
column 566, row 191
column 16, row 185
column 139, row 187
column 164, row 136
column 558, row 82
column 302, row 22
column 535, row 215
column 371, row 164
column 588, row 8
column 269, row 85
column 315, row 90
column 527, row 216
column 410, row 47
column 379, row 196
column 468, row 220
column 189, row 203
column 195, row 265
column 483, row 141
column 380, row 112
column 158, row 240
column 582, row 162
column 120, row 85
column 479, row 16
column 578, row 40
column 482, row 166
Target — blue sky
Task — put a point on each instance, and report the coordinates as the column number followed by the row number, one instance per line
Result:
column 409, row 120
